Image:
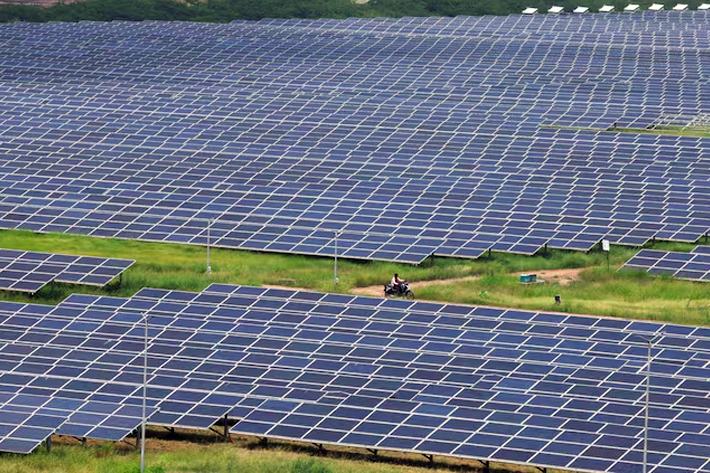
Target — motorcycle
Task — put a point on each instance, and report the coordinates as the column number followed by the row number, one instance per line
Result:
column 401, row 291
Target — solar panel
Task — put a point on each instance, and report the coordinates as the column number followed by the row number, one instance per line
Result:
column 386, row 373
column 693, row 266
column 29, row 418
column 505, row 152
column 22, row 432
column 29, row 271
column 701, row 250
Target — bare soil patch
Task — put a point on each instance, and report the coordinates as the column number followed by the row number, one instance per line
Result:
column 379, row 289
column 563, row 277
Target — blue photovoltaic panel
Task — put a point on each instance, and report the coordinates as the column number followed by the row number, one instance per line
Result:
column 29, row 271
column 694, row 266
column 537, row 388
column 26, row 420
column 22, row 431
column 362, row 127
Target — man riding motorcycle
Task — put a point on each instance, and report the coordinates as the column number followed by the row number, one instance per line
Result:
column 399, row 288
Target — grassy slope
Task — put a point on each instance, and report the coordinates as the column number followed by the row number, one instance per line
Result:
column 625, row 294
column 201, row 455
column 184, row 457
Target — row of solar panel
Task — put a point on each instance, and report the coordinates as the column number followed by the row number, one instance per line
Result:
column 400, row 424
column 623, row 211
column 546, row 228
column 29, row 271
column 287, row 335
column 600, row 117
column 301, row 73
column 27, row 419
column 693, row 266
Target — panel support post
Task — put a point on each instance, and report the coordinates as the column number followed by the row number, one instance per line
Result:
column 264, row 441
column 145, row 390
column 542, row 469
column 373, row 451
column 83, row 441
column 335, row 259
column 486, row 466
column 490, row 253
column 226, row 427
column 428, row 457
column 120, row 280
column 138, row 439
column 48, row 443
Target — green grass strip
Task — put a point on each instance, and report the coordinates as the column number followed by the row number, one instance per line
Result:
column 173, row 266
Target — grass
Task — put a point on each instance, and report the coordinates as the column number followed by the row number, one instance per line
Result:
column 634, row 295
column 699, row 132
column 622, row 294
column 196, row 457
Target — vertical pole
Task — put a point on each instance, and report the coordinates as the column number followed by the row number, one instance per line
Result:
column 335, row 268
column 209, row 268
column 645, row 430
column 226, row 426
column 145, row 391
column 49, row 444
column 607, row 262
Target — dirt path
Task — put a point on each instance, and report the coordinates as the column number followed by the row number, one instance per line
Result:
column 378, row 290
column 561, row 276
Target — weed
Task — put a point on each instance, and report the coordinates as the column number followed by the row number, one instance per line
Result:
column 309, row 466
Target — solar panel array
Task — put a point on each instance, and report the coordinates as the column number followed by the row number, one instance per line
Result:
column 413, row 137
column 535, row 388
column 694, row 266
column 30, row 271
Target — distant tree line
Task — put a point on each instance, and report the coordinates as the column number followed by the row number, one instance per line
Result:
column 227, row 10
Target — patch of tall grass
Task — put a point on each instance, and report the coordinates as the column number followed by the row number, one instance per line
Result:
column 191, row 458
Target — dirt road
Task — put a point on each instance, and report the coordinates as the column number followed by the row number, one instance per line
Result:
column 562, row 277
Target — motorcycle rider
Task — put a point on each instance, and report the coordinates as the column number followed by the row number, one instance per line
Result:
column 396, row 283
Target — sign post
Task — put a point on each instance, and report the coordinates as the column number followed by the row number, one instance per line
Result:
column 605, row 247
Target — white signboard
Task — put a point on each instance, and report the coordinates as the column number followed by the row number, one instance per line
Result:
column 605, row 245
